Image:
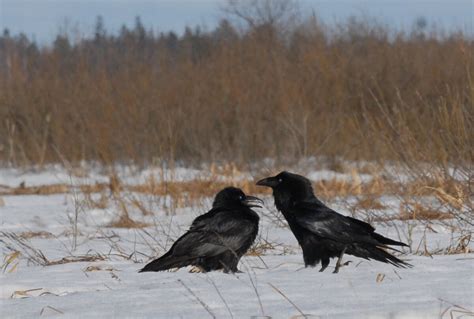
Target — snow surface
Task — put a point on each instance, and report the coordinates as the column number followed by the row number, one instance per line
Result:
column 55, row 174
column 275, row 284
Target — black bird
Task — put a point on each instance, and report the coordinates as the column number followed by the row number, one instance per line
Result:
column 218, row 239
column 321, row 232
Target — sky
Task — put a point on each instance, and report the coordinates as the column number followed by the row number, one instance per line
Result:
column 42, row 19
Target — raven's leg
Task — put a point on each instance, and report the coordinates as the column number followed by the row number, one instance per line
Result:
column 324, row 264
column 339, row 260
column 230, row 263
column 233, row 267
column 230, row 268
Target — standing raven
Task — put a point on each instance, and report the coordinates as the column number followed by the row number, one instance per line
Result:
column 321, row 232
column 218, row 239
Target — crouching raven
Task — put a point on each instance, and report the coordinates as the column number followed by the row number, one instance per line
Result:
column 218, row 239
column 321, row 232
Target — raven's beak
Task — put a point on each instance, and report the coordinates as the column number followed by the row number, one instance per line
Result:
column 269, row 182
column 250, row 201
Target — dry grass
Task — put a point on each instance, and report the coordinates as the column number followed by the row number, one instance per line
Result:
column 263, row 245
column 337, row 187
column 35, row 190
column 125, row 221
column 191, row 191
column 449, row 191
column 453, row 201
column 20, row 246
column 259, row 249
column 35, row 234
column 416, row 211
column 98, row 268
column 185, row 193
column 369, row 203
column 10, row 261
column 74, row 259
column 461, row 246
column 101, row 203
column 356, row 91
column 94, row 188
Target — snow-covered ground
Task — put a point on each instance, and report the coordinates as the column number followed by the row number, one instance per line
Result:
column 105, row 284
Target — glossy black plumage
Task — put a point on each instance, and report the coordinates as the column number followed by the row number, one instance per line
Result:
column 216, row 240
column 321, row 232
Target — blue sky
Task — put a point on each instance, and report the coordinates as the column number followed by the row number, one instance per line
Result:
column 42, row 19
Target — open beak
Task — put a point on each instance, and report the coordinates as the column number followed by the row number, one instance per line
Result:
column 269, row 182
column 251, row 201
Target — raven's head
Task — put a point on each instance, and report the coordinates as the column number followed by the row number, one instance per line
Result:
column 288, row 188
column 233, row 196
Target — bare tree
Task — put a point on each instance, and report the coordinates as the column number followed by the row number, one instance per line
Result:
column 279, row 14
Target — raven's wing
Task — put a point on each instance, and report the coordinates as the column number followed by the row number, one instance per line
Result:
column 215, row 232
column 197, row 244
column 187, row 250
column 326, row 223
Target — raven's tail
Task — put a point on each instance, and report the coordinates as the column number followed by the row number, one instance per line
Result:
column 168, row 261
column 377, row 253
column 387, row 241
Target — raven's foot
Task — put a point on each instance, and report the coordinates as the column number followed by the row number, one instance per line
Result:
column 232, row 272
column 340, row 266
column 323, row 268
column 196, row 269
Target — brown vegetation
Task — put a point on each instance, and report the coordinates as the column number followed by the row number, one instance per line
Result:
column 448, row 191
column 416, row 211
column 356, row 91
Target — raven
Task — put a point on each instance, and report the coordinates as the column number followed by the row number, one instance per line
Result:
column 321, row 232
column 218, row 239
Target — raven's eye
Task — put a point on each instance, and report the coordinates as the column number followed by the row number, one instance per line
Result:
column 241, row 197
column 280, row 180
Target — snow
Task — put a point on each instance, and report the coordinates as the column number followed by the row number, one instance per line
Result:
column 119, row 291
column 91, row 174
column 275, row 284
